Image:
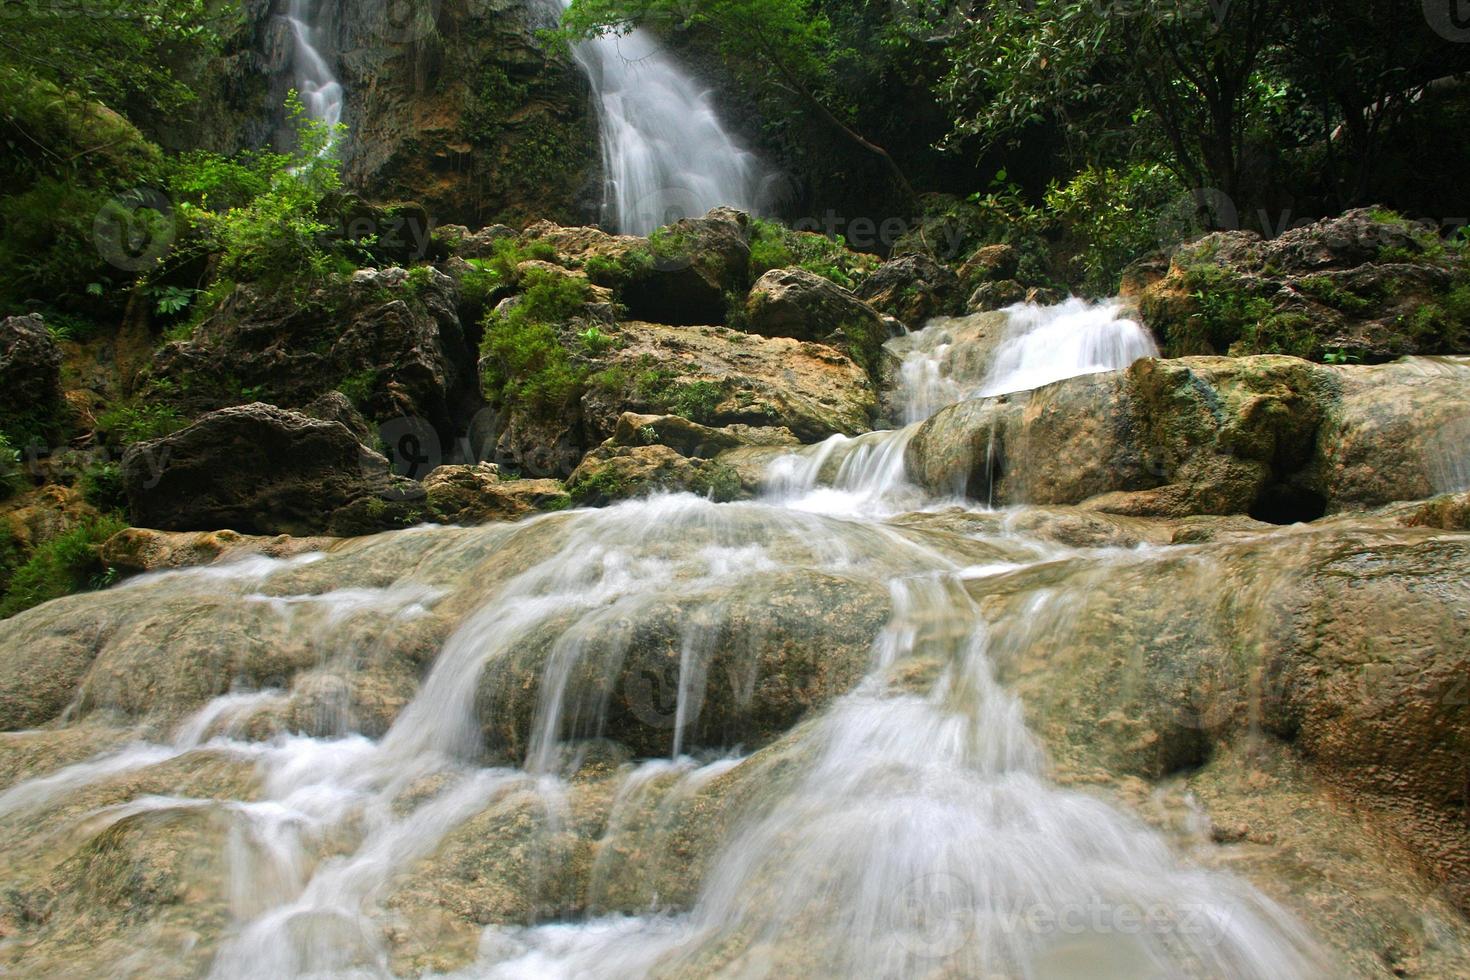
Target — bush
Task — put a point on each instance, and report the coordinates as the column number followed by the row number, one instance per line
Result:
column 67, row 564
column 102, row 486
column 1108, row 218
column 774, row 246
column 526, row 362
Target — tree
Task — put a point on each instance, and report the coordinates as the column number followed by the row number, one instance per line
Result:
column 1189, row 74
column 782, row 45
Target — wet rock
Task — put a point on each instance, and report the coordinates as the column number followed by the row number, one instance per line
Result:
column 469, row 495
column 1366, row 285
column 259, row 469
column 913, row 289
column 138, row 550
column 800, row 304
column 613, row 472
column 1274, row 437
column 991, row 296
column 722, row 377
column 765, row 653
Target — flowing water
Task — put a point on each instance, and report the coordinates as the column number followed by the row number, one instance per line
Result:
column 320, row 90
column 666, row 155
column 908, row 828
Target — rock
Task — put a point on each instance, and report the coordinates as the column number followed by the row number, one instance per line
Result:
column 469, row 495
column 138, row 549
column 391, row 340
column 690, row 268
column 613, row 472
column 800, row 304
column 912, row 288
column 30, row 382
column 1274, row 437
column 38, row 515
column 1344, row 641
column 721, row 377
column 793, row 639
column 1450, row 512
column 990, row 263
column 337, row 407
column 991, row 296
column 1366, row 285
column 462, row 243
column 259, row 469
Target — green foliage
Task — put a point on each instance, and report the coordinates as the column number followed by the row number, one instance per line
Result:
column 526, row 362
column 66, row 564
column 594, row 341
column 278, row 234
column 359, row 387
column 1109, row 218
column 774, row 246
column 102, row 487
column 1225, row 314
column 139, row 420
column 1275, row 333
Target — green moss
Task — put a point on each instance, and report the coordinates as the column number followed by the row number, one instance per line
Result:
column 1224, row 313
column 719, row 482
column 359, row 387
column 67, row 564
column 1326, row 290
column 601, row 485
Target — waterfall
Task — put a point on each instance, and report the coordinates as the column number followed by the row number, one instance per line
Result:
column 666, row 155
column 320, row 90
column 908, row 826
column 946, row 362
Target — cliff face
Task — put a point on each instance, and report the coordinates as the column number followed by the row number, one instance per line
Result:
column 453, row 103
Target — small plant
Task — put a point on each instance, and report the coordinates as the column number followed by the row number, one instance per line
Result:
column 594, row 341
column 526, row 362
column 359, row 387
column 102, row 487
column 66, row 564
column 139, row 421
column 1340, row 355
column 172, row 300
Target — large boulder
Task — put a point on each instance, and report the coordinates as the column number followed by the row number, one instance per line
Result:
column 1367, row 285
column 688, row 269
column 30, row 381
column 797, row 303
column 260, row 469
column 914, row 289
column 1275, row 437
column 390, row 339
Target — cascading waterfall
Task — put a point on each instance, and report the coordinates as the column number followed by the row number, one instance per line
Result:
column 866, row 475
column 907, row 829
column 666, row 155
column 321, row 92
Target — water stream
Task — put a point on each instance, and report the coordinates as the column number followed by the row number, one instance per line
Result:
column 907, row 829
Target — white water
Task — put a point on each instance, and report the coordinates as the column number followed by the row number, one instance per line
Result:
column 919, row 835
column 866, row 476
column 666, row 154
column 321, row 92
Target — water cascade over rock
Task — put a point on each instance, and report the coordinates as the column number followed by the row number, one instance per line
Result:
column 846, row 730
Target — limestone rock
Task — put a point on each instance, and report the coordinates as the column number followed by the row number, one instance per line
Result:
column 476, row 495
column 800, row 304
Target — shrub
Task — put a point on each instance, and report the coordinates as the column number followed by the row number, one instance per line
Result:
column 774, row 246
column 1108, row 218
column 526, row 362
column 66, row 564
